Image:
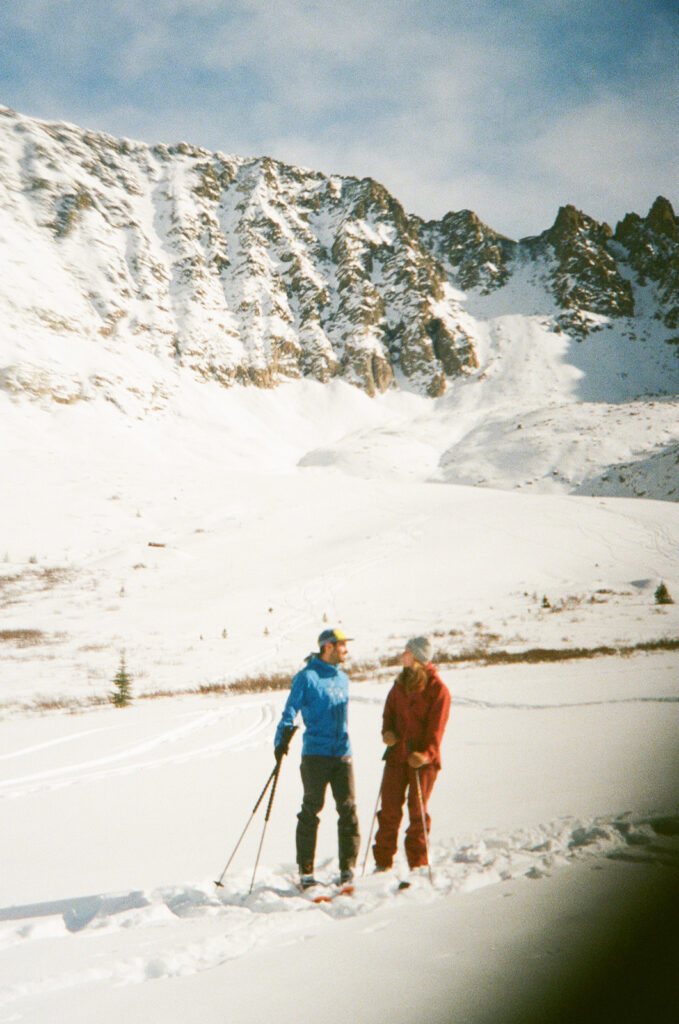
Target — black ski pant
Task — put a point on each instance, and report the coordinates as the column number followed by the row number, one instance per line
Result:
column 317, row 773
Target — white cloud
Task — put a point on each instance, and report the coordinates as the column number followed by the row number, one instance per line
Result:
column 612, row 155
column 509, row 109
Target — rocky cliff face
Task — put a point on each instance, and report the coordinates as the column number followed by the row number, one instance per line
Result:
column 652, row 249
column 585, row 278
column 589, row 270
column 244, row 271
column 476, row 256
column 252, row 271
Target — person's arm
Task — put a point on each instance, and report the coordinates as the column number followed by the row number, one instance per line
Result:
column 437, row 720
column 287, row 721
column 389, row 736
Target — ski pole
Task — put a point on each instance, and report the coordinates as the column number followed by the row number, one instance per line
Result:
column 277, row 770
column 274, row 773
column 377, row 804
column 424, row 822
column 220, row 880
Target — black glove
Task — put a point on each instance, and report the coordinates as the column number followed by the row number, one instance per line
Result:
column 281, row 750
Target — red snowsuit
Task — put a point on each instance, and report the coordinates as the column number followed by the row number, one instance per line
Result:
column 418, row 719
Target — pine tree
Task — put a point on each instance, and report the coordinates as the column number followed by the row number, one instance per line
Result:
column 122, row 695
column 662, row 595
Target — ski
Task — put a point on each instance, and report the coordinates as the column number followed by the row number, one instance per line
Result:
column 329, row 893
column 322, row 892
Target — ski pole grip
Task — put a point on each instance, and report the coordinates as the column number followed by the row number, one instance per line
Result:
column 292, row 732
column 282, row 748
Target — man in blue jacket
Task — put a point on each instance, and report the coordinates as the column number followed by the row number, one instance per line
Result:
column 321, row 692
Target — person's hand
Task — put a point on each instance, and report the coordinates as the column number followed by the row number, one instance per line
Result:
column 281, row 750
column 416, row 759
column 389, row 738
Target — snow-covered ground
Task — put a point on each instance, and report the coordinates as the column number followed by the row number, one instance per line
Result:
column 117, row 821
column 210, row 540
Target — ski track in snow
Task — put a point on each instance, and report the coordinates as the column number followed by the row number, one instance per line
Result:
column 472, row 702
column 24, row 751
column 476, row 702
column 194, row 927
column 252, row 732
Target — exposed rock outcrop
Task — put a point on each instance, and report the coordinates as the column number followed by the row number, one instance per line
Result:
column 254, row 272
column 652, row 244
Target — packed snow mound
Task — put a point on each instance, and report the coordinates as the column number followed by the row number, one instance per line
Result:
column 238, row 922
column 540, row 413
column 656, row 476
column 591, row 448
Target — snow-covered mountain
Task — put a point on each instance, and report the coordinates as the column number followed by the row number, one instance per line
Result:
column 131, row 269
column 244, row 271
column 157, row 508
column 255, row 271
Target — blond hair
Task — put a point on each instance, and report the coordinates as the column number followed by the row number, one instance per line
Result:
column 413, row 678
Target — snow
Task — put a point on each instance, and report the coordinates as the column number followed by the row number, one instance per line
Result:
column 117, row 821
column 209, row 534
column 208, row 542
column 210, row 539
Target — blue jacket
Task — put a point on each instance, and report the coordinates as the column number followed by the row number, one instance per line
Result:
column 321, row 692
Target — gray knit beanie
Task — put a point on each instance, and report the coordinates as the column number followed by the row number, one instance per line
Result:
column 420, row 648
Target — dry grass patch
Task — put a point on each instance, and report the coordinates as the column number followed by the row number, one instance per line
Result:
column 14, row 586
column 23, row 637
column 359, row 672
column 537, row 655
column 42, row 705
column 262, row 683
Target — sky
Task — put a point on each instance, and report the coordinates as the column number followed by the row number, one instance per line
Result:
column 510, row 108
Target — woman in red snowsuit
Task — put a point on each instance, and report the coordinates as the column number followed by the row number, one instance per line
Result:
column 415, row 716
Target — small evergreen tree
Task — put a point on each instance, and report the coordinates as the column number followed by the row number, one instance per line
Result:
column 122, row 695
column 662, row 595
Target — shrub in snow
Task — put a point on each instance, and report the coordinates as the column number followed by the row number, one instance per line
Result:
column 662, row 595
column 122, row 695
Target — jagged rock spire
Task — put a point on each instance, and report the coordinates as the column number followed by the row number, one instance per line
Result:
column 661, row 219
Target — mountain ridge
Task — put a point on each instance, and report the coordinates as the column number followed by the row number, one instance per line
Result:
column 160, row 279
column 253, row 271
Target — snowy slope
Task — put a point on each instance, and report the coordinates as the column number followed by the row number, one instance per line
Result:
column 209, row 543
column 117, row 822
